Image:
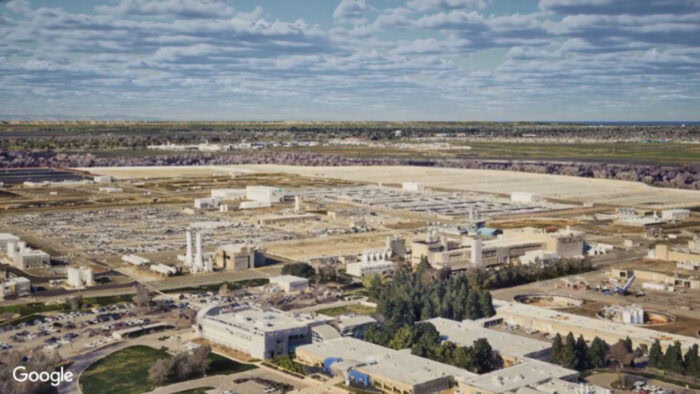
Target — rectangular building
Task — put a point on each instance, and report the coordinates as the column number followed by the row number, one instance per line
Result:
column 16, row 287
column 290, row 283
column 363, row 268
column 238, row 257
column 263, row 334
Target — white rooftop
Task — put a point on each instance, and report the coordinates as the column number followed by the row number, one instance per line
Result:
column 527, row 373
column 288, row 279
column 8, row 237
column 466, row 332
column 259, row 321
column 612, row 328
column 391, row 364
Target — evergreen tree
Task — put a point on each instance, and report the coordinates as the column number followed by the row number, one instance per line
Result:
column 583, row 356
column 403, row 338
column 557, row 349
column 473, row 308
column 628, row 345
column 692, row 362
column 656, row 356
column 673, row 359
column 568, row 355
column 598, row 353
column 486, row 304
column 484, row 357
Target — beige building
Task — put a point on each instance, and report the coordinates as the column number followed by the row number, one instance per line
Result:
column 675, row 280
column 509, row 247
column 664, row 252
column 16, row 287
column 238, row 257
column 557, row 322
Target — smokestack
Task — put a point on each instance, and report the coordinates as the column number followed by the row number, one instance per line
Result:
column 198, row 250
column 476, row 252
column 188, row 255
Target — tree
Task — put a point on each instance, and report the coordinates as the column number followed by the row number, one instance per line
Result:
column 75, row 302
column 142, row 299
column 199, row 359
column 673, row 359
column 598, row 353
column 299, row 269
column 486, row 304
column 159, row 371
column 473, row 307
column 656, row 355
column 557, row 349
column 223, row 290
column 403, row 339
column 483, row 354
column 568, row 358
column 583, row 355
column 621, row 356
column 692, row 362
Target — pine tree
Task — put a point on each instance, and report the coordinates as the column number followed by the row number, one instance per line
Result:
column 583, row 355
column 628, row 345
column 473, row 310
column 557, row 349
column 568, row 357
column 598, row 353
column 656, row 355
column 673, row 359
column 692, row 362
column 486, row 304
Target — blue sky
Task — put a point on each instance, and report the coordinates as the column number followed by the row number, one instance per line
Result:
column 352, row 59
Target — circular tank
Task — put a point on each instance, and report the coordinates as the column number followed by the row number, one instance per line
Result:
column 549, row 300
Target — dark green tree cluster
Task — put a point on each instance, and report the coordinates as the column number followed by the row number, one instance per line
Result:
column 576, row 354
column 424, row 341
column 518, row 274
column 299, row 269
column 414, row 296
column 673, row 360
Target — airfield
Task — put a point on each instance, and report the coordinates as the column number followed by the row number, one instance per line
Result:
column 557, row 187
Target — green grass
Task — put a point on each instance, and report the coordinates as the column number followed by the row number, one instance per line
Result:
column 237, row 285
column 353, row 308
column 107, row 300
column 122, row 372
column 198, row 390
column 126, row 371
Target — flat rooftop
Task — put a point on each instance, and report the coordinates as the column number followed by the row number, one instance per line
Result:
column 391, row 364
column 466, row 332
column 609, row 327
column 288, row 279
column 257, row 320
column 528, row 373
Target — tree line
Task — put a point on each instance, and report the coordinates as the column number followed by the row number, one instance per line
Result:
column 424, row 341
column 684, row 177
column 183, row 366
column 414, row 296
column 519, row 274
column 674, row 360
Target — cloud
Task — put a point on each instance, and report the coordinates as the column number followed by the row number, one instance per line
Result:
column 620, row 7
column 425, row 5
column 351, row 9
column 179, row 8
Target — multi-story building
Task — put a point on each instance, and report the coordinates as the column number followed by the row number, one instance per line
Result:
column 260, row 333
column 15, row 287
column 238, row 257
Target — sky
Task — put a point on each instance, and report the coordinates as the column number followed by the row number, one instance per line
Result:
column 530, row 60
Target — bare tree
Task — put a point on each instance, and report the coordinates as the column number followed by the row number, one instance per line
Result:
column 142, row 299
column 223, row 290
column 159, row 371
column 620, row 354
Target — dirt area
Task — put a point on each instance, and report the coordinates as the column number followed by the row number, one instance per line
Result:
column 561, row 187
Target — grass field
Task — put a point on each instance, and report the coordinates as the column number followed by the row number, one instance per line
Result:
column 126, row 371
column 354, row 308
column 198, row 390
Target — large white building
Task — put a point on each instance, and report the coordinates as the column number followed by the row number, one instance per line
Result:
column 80, row 277
column 364, row 268
column 263, row 334
column 290, row 283
column 228, row 194
column 24, row 257
column 264, row 194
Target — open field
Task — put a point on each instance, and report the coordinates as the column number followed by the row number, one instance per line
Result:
column 126, row 371
column 352, row 308
column 560, row 187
